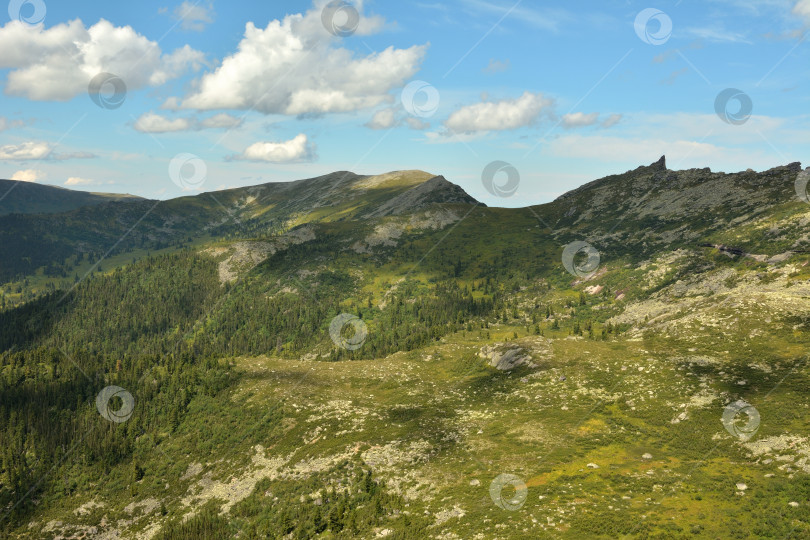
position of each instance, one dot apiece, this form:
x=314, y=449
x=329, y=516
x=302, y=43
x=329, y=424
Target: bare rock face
x=506, y=357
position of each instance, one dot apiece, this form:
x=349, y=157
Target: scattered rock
x=594, y=289
x=646, y=456
x=592, y=466
x=506, y=357
x=445, y=515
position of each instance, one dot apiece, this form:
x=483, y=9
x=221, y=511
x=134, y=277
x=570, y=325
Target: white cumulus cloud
x=28, y=175
x=383, y=119
x=296, y=149
x=578, y=119
x=294, y=67
x=57, y=63
x=156, y=123
x=499, y=115
x=25, y=151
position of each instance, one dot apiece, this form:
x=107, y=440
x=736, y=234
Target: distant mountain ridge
x=31, y=240
x=645, y=209
x=18, y=197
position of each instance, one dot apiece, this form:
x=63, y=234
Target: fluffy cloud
x=193, y=16
x=293, y=67
x=25, y=151
x=499, y=115
x=58, y=63
x=28, y=175
x=155, y=123
x=296, y=149
x=383, y=119
x=576, y=120
x=33, y=150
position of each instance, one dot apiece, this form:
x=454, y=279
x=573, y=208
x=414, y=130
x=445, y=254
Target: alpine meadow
x=357, y=269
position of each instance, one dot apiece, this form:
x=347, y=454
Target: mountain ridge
x=17, y=196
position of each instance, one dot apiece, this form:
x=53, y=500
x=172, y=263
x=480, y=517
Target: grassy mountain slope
x=249, y=420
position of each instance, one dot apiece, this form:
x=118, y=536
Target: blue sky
x=223, y=95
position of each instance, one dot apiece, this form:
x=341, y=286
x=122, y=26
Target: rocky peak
x=437, y=190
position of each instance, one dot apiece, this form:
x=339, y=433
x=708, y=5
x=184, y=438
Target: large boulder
x=506, y=357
